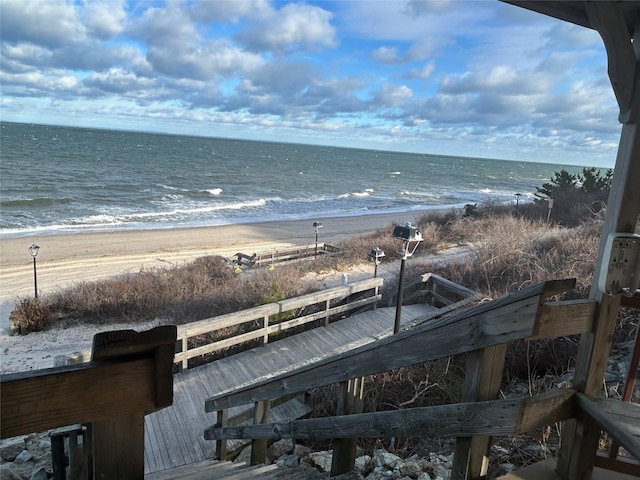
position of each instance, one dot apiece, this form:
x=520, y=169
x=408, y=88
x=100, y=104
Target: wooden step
x=212, y=469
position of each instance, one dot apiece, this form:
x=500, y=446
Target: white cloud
x=431, y=76
x=295, y=26
x=105, y=18
x=40, y=22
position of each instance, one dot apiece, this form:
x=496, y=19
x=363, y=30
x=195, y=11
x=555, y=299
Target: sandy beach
x=67, y=259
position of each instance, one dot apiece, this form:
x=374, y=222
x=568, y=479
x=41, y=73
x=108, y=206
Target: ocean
x=70, y=180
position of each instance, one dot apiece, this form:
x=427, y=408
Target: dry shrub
x=509, y=253
x=433, y=383
x=200, y=289
x=30, y=315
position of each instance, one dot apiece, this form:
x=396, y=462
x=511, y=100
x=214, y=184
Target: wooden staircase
x=211, y=469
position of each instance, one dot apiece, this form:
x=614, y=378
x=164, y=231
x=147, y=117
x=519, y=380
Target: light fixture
x=33, y=251
x=376, y=254
x=317, y=225
x=409, y=237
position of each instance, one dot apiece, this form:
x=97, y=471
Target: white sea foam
x=215, y=191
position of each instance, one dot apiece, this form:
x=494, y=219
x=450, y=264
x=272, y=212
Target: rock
x=288, y=461
x=301, y=450
x=362, y=462
x=8, y=472
x=23, y=457
x=410, y=469
x=385, y=458
x=39, y=474
x=280, y=448
x=424, y=476
x=321, y=460
x=10, y=451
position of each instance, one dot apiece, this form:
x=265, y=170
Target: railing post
x=259, y=447
x=265, y=329
x=482, y=381
x=118, y=441
x=349, y=402
x=184, y=346
x=221, y=445
x=327, y=308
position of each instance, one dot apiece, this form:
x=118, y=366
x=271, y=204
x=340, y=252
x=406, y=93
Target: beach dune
x=66, y=259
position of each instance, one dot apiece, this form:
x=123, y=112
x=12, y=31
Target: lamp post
x=409, y=238
x=317, y=226
x=518, y=195
x=33, y=251
x=376, y=255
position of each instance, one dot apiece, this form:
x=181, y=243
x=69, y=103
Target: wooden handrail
x=261, y=316
x=130, y=375
x=513, y=317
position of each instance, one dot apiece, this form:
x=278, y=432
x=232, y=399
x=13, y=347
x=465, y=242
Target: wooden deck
x=545, y=470
x=174, y=435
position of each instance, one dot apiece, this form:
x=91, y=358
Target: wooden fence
x=261, y=322
x=284, y=255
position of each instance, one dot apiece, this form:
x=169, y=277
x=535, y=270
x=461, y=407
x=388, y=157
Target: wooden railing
x=288, y=254
x=261, y=322
x=130, y=375
x=434, y=290
x=482, y=332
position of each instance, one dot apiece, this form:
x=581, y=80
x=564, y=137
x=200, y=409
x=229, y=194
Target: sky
x=452, y=77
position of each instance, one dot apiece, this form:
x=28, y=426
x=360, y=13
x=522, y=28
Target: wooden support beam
x=482, y=382
x=497, y=417
x=118, y=441
x=259, y=446
x=607, y=18
x=580, y=438
x=349, y=403
x=500, y=321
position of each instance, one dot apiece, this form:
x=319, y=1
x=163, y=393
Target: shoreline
x=58, y=246
x=71, y=258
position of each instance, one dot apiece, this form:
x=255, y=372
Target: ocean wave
x=214, y=191
x=35, y=202
x=364, y=193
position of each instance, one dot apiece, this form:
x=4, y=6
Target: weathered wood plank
x=496, y=417
x=264, y=311
x=227, y=320
x=580, y=440
x=506, y=319
x=330, y=294
x=193, y=386
x=26, y=410
x=559, y=319
x=620, y=419
x=546, y=409
x=483, y=378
